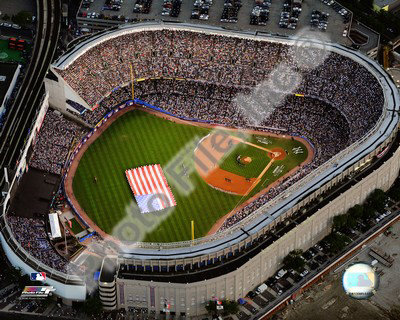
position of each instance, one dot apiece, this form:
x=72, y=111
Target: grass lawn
x=7, y=55
x=259, y=161
x=137, y=139
x=281, y=167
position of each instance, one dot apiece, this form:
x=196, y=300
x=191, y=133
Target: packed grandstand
x=343, y=100
x=198, y=75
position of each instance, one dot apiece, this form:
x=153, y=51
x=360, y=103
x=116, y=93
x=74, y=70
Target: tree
x=230, y=307
x=6, y=17
x=92, y=306
x=211, y=307
x=368, y=212
x=376, y=200
x=339, y=221
x=356, y=212
x=367, y=4
x=394, y=193
x=294, y=261
x=337, y=242
x=351, y=221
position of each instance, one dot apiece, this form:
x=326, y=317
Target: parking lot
x=319, y=256
x=329, y=293
x=211, y=12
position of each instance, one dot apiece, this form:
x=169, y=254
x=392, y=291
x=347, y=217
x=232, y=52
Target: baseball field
x=138, y=138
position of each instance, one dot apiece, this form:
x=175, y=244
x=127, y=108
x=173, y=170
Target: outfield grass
x=136, y=139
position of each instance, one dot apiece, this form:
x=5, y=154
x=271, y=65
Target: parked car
x=270, y=281
x=261, y=288
x=280, y=274
x=318, y=247
x=304, y=273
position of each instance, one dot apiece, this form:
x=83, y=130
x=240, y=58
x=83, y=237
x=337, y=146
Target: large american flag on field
x=150, y=188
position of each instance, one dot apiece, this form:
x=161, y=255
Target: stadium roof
x=108, y=270
x=294, y=194
x=54, y=225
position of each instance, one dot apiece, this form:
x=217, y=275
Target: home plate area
x=150, y=188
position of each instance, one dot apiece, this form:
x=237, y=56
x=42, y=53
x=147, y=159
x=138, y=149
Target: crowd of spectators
x=198, y=75
x=30, y=233
x=53, y=143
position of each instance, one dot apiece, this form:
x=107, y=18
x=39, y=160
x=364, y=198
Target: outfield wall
x=190, y=298
x=294, y=197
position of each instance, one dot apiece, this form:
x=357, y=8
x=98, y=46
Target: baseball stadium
x=238, y=176
x=187, y=160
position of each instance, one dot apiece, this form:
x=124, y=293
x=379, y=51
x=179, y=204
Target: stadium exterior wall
x=190, y=298
x=67, y=292
x=76, y=291
x=295, y=196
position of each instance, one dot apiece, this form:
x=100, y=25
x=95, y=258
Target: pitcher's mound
x=244, y=159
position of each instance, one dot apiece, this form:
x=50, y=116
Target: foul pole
x=192, y=230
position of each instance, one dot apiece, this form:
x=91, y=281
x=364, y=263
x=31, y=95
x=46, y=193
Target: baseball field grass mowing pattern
x=259, y=160
x=137, y=139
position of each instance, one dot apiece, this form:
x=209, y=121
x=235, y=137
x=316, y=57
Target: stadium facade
x=228, y=264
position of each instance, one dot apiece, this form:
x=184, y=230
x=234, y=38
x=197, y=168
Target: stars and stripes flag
x=150, y=188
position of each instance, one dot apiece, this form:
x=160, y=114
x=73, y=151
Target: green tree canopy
x=376, y=200
x=293, y=260
x=211, y=307
x=92, y=306
x=339, y=221
x=394, y=193
x=351, y=221
x=356, y=212
x=21, y=279
x=337, y=242
x=368, y=5
x=368, y=212
x=230, y=307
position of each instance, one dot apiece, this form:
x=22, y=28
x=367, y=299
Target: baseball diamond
x=169, y=164
x=220, y=190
